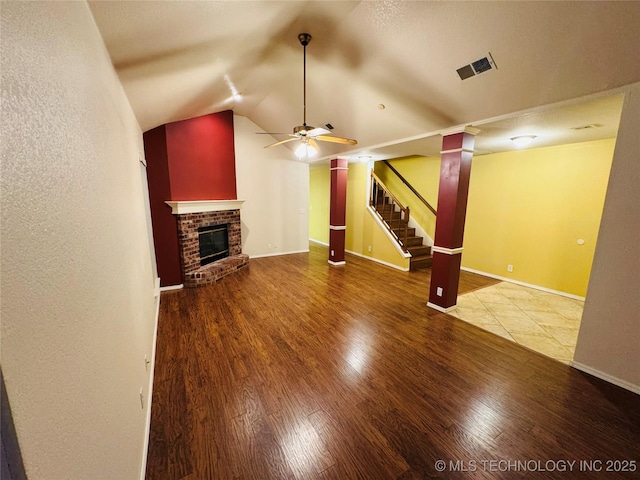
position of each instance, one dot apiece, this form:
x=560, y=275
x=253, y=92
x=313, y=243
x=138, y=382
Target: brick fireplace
x=196, y=215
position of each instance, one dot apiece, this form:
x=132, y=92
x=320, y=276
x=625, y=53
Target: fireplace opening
x=214, y=243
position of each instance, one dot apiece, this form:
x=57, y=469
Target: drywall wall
x=191, y=159
x=609, y=338
x=275, y=218
x=319, y=202
x=201, y=157
x=78, y=304
x=362, y=230
x=423, y=173
x=529, y=208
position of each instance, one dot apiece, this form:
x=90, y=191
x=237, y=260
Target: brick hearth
x=188, y=223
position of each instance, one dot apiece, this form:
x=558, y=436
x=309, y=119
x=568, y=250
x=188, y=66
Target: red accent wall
x=164, y=223
x=201, y=155
x=188, y=160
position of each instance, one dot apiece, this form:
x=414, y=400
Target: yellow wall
x=423, y=173
x=528, y=208
x=362, y=230
x=319, y=202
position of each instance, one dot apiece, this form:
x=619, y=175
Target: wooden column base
x=445, y=277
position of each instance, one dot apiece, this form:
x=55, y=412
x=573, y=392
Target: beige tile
x=553, y=318
x=505, y=310
x=545, y=345
x=572, y=313
x=533, y=304
x=492, y=297
x=565, y=336
x=469, y=300
x=476, y=316
x=498, y=330
x=521, y=325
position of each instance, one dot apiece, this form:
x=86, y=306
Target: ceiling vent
x=481, y=65
x=585, y=127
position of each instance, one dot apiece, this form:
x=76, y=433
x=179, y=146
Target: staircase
x=396, y=218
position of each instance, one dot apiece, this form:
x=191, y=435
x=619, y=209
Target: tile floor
x=542, y=321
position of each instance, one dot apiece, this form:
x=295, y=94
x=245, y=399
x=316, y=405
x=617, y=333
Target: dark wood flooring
x=294, y=369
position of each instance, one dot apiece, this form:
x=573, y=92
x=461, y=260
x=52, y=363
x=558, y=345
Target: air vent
x=585, y=127
x=329, y=126
x=475, y=68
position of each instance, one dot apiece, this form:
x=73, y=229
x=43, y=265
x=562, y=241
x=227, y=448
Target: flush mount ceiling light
x=523, y=140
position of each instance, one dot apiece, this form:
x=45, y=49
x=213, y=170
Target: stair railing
x=410, y=187
x=378, y=194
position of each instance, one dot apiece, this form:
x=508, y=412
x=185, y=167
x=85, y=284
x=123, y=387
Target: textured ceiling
x=178, y=60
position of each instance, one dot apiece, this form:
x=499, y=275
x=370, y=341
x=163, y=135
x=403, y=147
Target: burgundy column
x=455, y=171
x=338, y=211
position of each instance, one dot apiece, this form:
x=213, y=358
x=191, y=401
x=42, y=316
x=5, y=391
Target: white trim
x=447, y=251
x=524, y=284
x=171, y=287
x=318, y=242
x=382, y=262
x=156, y=288
x=337, y=263
x=278, y=254
x=337, y=227
x=420, y=232
x=454, y=150
x=441, y=309
x=460, y=129
x=339, y=168
x=147, y=428
x=606, y=377
x=380, y=223
x=199, y=206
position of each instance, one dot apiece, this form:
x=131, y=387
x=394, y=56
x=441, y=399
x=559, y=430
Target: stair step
x=419, y=251
x=413, y=241
x=420, y=262
x=411, y=232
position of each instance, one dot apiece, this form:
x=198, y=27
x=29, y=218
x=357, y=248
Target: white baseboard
x=263, y=255
x=337, y=264
x=382, y=262
x=318, y=242
x=441, y=309
x=524, y=284
x=171, y=287
x=606, y=377
x=152, y=364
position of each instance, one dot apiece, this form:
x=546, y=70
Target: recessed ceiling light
x=523, y=140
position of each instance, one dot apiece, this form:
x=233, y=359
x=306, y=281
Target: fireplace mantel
x=199, y=206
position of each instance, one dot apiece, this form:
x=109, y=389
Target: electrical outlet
x=333, y=253
x=509, y=268
x=439, y=291
x=369, y=248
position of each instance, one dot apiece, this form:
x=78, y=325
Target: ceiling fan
x=306, y=134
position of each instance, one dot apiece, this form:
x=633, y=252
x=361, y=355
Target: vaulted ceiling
x=179, y=60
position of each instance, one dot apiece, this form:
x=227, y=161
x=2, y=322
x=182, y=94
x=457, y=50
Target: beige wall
x=275, y=215
x=78, y=304
x=609, y=339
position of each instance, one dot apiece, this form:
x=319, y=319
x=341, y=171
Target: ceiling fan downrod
x=304, y=38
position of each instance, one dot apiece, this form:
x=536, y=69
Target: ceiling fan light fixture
x=523, y=140
x=305, y=150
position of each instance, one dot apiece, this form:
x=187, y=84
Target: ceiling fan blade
x=327, y=138
x=282, y=141
x=318, y=131
x=314, y=144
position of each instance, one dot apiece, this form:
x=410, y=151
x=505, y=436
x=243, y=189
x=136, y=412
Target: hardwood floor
x=296, y=369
